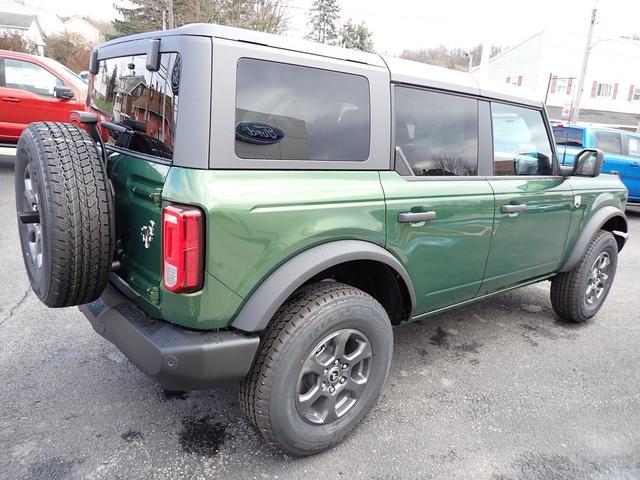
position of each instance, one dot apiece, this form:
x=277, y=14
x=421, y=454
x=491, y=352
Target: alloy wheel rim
x=598, y=279
x=34, y=230
x=334, y=376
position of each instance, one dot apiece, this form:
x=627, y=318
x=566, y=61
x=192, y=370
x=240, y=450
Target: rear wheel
x=65, y=213
x=577, y=295
x=323, y=362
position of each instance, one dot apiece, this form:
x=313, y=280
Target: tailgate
x=137, y=185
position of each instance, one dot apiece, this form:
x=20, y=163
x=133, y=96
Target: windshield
x=69, y=74
x=569, y=136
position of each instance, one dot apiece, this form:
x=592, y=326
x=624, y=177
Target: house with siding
x=548, y=65
x=27, y=26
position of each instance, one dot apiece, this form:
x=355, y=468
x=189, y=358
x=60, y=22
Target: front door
x=610, y=142
x=632, y=173
x=532, y=205
x=26, y=95
x=439, y=211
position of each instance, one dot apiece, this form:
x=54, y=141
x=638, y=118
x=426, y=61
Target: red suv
x=34, y=89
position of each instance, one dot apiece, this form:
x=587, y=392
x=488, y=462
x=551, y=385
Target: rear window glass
x=291, y=112
x=145, y=102
x=569, y=136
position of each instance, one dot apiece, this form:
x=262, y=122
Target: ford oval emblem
x=256, y=132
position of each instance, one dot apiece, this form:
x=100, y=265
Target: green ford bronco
x=240, y=206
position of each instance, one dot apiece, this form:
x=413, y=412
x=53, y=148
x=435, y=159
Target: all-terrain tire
x=60, y=174
x=569, y=294
x=268, y=394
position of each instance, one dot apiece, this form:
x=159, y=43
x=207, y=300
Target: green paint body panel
x=445, y=257
x=531, y=243
x=256, y=220
x=137, y=185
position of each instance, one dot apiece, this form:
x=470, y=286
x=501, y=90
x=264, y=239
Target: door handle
x=513, y=208
x=416, y=217
x=11, y=99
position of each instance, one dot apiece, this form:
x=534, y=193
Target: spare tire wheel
x=65, y=213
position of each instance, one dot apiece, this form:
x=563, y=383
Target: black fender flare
x=593, y=226
x=286, y=279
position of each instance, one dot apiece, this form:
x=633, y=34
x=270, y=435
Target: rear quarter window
x=291, y=112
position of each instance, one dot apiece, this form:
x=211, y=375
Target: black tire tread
x=566, y=290
x=79, y=212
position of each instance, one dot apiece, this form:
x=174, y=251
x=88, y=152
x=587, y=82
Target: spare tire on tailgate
x=65, y=213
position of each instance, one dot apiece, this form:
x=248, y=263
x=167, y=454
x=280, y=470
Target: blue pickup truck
x=621, y=151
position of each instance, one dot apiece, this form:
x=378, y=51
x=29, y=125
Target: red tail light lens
x=182, y=248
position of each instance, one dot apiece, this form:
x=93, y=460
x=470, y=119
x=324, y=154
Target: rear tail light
x=182, y=248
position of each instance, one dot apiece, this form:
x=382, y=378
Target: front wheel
x=323, y=362
x=577, y=295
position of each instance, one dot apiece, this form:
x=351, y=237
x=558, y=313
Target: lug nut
x=345, y=366
x=343, y=379
x=323, y=386
x=325, y=371
x=332, y=389
x=336, y=362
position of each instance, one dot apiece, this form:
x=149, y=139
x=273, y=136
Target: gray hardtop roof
x=401, y=71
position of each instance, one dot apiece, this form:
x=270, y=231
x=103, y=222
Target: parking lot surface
x=496, y=390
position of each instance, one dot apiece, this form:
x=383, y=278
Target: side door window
x=436, y=134
x=29, y=77
x=520, y=141
x=609, y=142
x=633, y=146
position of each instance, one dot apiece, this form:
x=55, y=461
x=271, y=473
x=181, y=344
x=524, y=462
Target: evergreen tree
x=323, y=21
x=356, y=36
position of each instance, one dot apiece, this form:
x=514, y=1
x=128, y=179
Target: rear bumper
x=176, y=358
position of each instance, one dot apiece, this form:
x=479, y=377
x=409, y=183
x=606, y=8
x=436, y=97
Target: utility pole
x=483, y=69
x=575, y=113
x=170, y=14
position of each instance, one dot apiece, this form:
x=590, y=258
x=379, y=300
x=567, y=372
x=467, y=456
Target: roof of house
x=86, y=20
x=403, y=71
x=17, y=20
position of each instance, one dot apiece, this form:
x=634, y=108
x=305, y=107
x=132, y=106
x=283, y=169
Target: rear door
x=439, y=210
x=26, y=95
x=632, y=173
x=532, y=205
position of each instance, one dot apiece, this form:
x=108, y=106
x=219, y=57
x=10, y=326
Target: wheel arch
x=330, y=260
x=607, y=218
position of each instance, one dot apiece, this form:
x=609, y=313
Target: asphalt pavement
x=496, y=390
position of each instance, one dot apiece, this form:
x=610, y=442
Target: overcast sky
x=400, y=24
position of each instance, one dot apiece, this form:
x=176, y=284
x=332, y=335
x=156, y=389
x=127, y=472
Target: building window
x=636, y=95
x=603, y=90
x=561, y=86
x=515, y=80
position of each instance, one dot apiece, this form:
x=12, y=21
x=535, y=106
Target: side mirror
x=62, y=92
x=588, y=162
